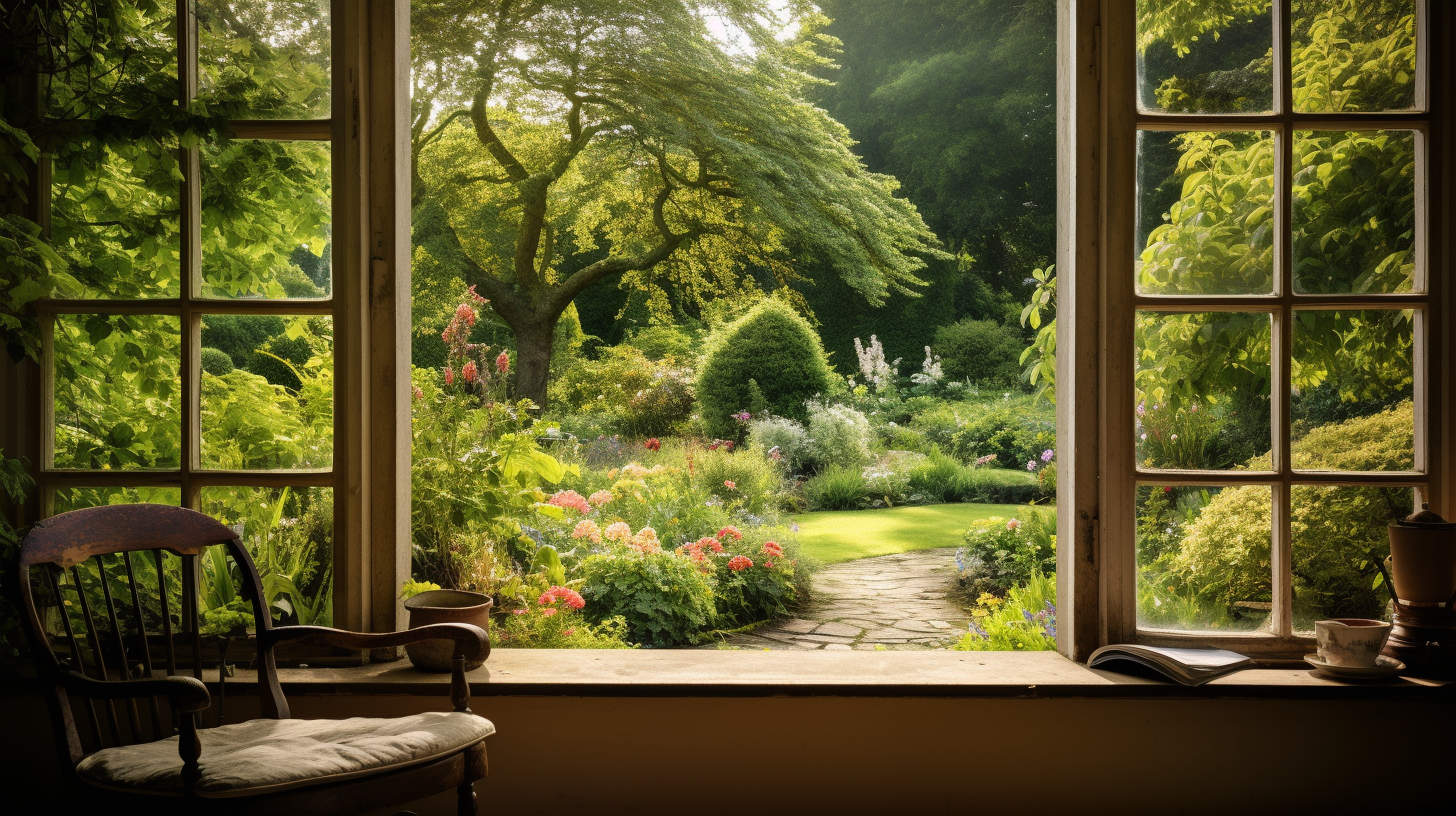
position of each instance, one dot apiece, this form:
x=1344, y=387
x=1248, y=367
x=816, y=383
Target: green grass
x=844, y=535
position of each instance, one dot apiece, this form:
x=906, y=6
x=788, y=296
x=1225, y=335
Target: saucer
x=1384, y=667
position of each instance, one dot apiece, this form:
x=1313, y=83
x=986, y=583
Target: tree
x=676, y=137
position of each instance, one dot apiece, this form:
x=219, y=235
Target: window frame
x=370, y=474
x=1098, y=131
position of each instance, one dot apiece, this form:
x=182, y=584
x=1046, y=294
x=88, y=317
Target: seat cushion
x=263, y=756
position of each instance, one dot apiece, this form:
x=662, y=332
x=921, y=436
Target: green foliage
x=215, y=361
x=1004, y=553
x=757, y=593
x=1025, y=620
x=942, y=478
x=240, y=335
x=836, y=488
x=563, y=629
x=1224, y=558
x=626, y=391
x=773, y=346
x=663, y=598
x=411, y=588
x=980, y=351
x=787, y=435
x=757, y=481
x=1042, y=352
x=1013, y=429
x=838, y=436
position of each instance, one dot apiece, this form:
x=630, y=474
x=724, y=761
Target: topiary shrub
x=981, y=351
x=1224, y=559
x=215, y=361
x=772, y=345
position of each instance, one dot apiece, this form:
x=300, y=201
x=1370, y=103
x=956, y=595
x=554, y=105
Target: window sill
x=702, y=673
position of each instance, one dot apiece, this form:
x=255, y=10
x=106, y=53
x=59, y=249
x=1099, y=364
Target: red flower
x=572, y=597
x=503, y=363
x=469, y=371
x=652, y=444
x=419, y=395
x=773, y=548
x=730, y=532
x=739, y=562
x=730, y=484
x=549, y=611
x=449, y=376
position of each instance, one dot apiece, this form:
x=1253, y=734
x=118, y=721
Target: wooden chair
x=102, y=588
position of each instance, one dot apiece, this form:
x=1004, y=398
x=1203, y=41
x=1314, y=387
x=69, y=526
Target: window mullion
x=1282, y=330
x=191, y=261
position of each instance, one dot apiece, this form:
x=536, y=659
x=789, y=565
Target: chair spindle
x=166, y=614
x=95, y=638
x=189, y=601
x=141, y=625
x=133, y=714
x=79, y=663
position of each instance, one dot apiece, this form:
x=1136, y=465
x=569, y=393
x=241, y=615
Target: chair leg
x=467, y=804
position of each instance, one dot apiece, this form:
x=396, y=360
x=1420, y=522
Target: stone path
x=899, y=601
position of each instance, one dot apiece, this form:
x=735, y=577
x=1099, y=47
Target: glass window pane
x=267, y=392
x=264, y=59
x=119, y=62
x=1203, y=557
x=1351, y=406
x=115, y=218
x=1202, y=384
x=1354, y=211
x=1337, y=534
x=289, y=532
x=1353, y=56
x=266, y=220
x=76, y=498
x=1204, y=57
x=1205, y=213
x=117, y=392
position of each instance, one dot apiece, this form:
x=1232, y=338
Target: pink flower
x=419, y=395
x=646, y=540
x=503, y=363
x=449, y=376
x=518, y=611
x=559, y=593
x=469, y=371
x=1012, y=524
x=586, y=528
x=618, y=531
x=549, y=611
x=729, y=532
x=773, y=548
x=739, y=562
x=600, y=498
x=1031, y=464
x=570, y=499
x=768, y=564
x=730, y=484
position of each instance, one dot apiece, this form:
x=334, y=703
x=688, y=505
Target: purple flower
x=1046, y=455
x=794, y=526
x=1027, y=615
x=1031, y=464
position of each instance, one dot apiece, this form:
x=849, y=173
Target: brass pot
x=1423, y=561
x=444, y=606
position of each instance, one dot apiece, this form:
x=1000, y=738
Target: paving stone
x=837, y=647
x=914, y=626
x=825, y=638
x=840, y=629
x=797, y=625
x=939, y=624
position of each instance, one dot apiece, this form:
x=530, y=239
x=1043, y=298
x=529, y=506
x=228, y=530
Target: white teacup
x=1351, y=641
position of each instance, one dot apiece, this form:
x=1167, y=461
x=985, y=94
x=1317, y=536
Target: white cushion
x=268, y=755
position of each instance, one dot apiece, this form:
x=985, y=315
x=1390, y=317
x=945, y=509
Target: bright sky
x=736, y=42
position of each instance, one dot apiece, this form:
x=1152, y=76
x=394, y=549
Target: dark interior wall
x=898, y=756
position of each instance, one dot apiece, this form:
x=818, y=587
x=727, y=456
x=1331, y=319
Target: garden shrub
x=899, y=437
x=664, y=342
x=550, y=627
x=239, y=335
x=1002, y=553
x=1006, y=430
x=980, y=351
x=838, y=435
x=785, y=434
x=887, y=481
x=836, y=488
x=1224, y=559
x=742, y=479
x=624, y=392
x=665, y=599
x=276, y=359
x=215, y=361
x=1024, y=621
x=775, y=347
x=941, y=478
x=753, y=581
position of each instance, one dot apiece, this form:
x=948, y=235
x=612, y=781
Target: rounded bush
x=663, y=598
x=981, y=351
x=785, y=434
x=772, y=345
x=215, y=361
x=838, y=435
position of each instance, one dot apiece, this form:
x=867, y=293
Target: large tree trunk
x=533, y=356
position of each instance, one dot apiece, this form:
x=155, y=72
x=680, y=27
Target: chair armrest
x=471, y=642
x=186, y=694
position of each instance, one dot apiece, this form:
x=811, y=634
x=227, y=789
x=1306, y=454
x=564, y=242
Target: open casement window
x=1252, y=334
x=232, y=308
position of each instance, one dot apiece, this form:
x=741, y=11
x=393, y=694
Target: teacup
x=1351, y=641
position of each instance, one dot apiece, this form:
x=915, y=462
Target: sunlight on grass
x=844, y=535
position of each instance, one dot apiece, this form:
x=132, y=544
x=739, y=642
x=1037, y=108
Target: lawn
x=844, y=535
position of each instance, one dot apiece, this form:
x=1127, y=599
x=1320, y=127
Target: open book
x=1191, y=667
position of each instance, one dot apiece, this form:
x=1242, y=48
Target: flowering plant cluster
x=468, y=365
x=879, y=374
x=1024, y=620
x=1002, y=553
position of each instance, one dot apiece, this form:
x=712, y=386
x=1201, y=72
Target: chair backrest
x=112, y=593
